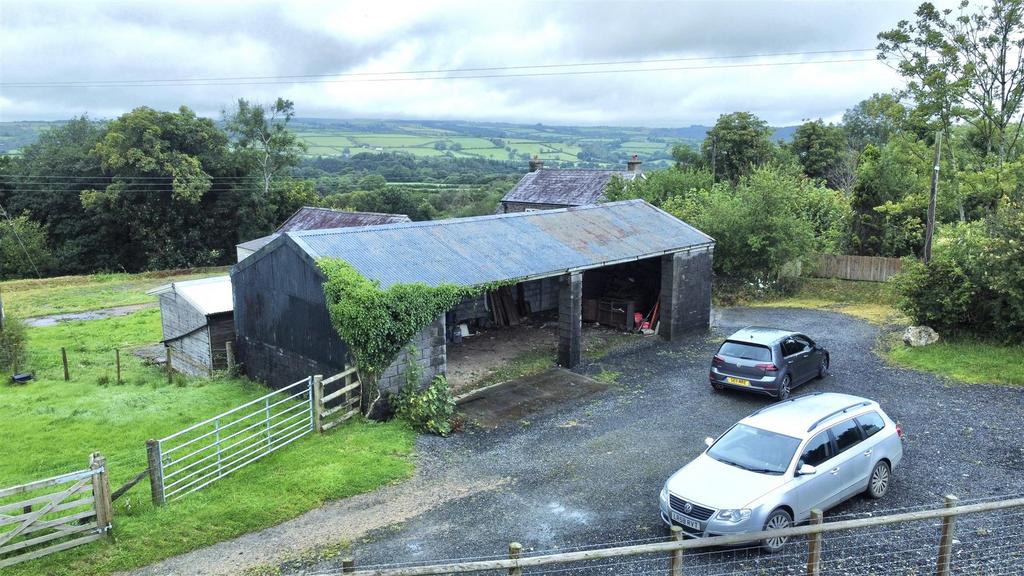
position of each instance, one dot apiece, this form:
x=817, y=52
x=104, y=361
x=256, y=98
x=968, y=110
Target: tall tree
x=874, y=121
x=50, y=177
x=173, y=187
x=819, y=148
x=261, y=134
x=736, y=144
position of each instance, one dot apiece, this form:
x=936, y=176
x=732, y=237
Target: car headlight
x=664, y=495
x=734, y=515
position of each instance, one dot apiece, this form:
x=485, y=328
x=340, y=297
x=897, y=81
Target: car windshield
x=754, y=449
x=745, y=351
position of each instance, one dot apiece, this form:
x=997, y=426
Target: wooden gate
x=54, y=514
x=343, y=399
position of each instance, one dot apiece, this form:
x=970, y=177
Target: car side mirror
x=806, y=470
x=709, y=441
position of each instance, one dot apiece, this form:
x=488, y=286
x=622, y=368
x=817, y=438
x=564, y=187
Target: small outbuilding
x=313, y=218
x=551, y=261
x=549, y=188
x=198, y=324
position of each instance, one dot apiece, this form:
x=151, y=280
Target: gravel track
x=589, y=473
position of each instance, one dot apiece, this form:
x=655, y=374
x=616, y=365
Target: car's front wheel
x=823, y=366
x=778, y=520
x=881, y=477
x=785, y=388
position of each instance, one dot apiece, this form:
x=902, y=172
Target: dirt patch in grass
x=871, y=301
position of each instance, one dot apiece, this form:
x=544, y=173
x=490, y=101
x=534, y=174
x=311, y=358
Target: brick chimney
x=634, y=164
x=536, y=163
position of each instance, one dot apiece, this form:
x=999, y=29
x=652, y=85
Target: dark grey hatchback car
x=767, y=361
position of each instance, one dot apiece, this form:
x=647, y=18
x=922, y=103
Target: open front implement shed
x=283, y=327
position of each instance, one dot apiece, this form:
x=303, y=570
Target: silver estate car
x=773, y=467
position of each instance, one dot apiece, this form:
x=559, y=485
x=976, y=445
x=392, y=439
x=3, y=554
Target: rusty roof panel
x=564, y=187
x=500, y=247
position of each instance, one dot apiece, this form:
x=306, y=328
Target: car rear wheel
x=785, y=388
x=823, y=366
x=881, y=477
x=778, y=520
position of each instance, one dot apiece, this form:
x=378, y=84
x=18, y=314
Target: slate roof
x=500, y=247
x=312, y=218
x=564, y=187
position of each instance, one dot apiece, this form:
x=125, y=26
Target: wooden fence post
x=229, y=353
x=814, y=546
x=64, y=359
x=676, y=560
x=101, y=493
x=117, y=358
x=515, y=550
x=318, y=403
x=946, y=540
x=170, y=371
x=156, y=471
x=348, y=565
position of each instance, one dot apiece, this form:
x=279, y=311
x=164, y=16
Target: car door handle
x=868, y=453
x=835, y=471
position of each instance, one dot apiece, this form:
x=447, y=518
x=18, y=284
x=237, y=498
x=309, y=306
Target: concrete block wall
x=431, y=355
x=685, y=293
x=570, y=320
x=509, y=207
x=541, y=294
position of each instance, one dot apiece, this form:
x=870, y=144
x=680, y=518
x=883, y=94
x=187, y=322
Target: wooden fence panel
x=863, y=268
x=47, y=516
x=343, y=401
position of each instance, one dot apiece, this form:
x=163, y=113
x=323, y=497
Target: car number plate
x=737, y=381
x=685, y=521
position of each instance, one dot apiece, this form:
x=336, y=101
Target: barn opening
x=610, y=258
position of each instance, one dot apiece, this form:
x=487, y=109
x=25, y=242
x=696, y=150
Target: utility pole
x=929, y=230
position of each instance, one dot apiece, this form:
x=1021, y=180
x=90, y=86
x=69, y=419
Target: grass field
x=968, y=360
x=51, y=426
x=28, y=298
x=871, y=301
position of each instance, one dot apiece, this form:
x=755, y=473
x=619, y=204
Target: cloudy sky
x=350, y=59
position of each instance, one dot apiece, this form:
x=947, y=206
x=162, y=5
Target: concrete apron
x=515, y=400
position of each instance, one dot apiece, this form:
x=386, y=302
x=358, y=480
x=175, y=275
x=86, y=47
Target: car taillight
x=899, y=430
x=767, y=367
x=718, y=360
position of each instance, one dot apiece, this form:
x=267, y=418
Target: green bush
x=975, y=281
x=428, y=410
x=13, y=349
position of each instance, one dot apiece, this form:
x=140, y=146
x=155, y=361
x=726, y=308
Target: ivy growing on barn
x=377, y=323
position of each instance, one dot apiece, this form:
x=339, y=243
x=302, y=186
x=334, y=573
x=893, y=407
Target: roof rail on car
x=840, y=411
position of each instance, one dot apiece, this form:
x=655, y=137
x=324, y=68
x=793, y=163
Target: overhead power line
x=463, y=73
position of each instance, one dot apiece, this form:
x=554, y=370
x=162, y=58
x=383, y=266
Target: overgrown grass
x=28, y=298
x=971, y=361
x=50, y=427
x=871, y=301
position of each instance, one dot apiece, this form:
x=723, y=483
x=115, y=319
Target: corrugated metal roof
x=564, y=187
x=207, y=295
x=313, y=218
x=485, y=249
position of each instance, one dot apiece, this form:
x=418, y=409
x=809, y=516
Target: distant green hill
x=587, y=146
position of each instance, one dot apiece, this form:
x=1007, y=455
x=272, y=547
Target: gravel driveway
x=590, y=473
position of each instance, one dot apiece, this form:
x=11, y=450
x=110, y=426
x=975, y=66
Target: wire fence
x=984, y=536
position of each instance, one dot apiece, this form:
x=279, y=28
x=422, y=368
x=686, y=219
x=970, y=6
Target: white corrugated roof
x=207, y=295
